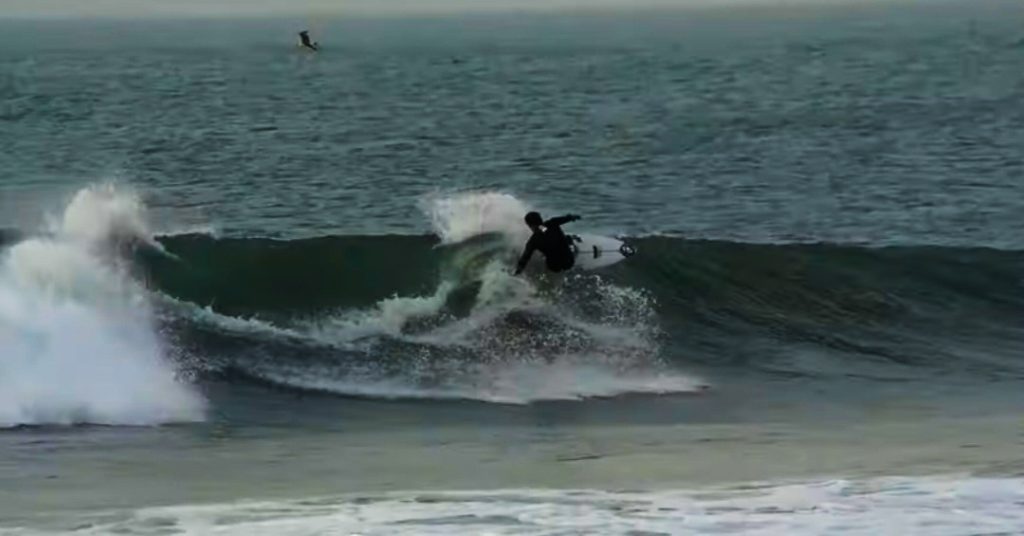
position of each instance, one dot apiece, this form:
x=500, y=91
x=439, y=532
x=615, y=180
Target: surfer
x=304, y=39
x=551, y=241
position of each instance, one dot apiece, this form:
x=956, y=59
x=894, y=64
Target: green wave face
x=712, y=303
x=406, y=315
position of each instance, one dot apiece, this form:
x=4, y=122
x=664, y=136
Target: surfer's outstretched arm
x=561, y=220
x=525, y=257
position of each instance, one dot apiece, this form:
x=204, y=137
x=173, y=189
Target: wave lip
x=460, y=217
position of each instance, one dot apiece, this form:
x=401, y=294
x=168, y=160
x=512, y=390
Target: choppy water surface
x=249, y=289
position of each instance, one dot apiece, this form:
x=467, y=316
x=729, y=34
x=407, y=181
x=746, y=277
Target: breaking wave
x=78, y=338
x=440, y=316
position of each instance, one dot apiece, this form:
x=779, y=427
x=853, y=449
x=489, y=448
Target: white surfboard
x=595, y=251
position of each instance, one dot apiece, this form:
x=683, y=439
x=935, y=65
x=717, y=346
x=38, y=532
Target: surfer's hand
x=575, y=217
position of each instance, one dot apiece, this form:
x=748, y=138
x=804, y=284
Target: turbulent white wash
x=568, y=378
x=940, y=506
x=77, y=343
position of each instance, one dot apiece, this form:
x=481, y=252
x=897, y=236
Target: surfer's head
x=533, y=219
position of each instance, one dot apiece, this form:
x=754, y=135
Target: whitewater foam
x=576, y=378
x=566, y=379
x=205, y=229
x=76, y=331
x=233, y=324
x=943, y=506
x=481, y=357
x=387, y=317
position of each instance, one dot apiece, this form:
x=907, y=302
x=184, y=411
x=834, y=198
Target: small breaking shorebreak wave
x=917, y=505
x=440, y=316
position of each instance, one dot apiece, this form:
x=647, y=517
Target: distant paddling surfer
x=551, y=241
x=304, y=39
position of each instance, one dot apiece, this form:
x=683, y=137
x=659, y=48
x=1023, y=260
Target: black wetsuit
x=552, y=242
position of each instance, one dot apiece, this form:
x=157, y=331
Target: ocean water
x=246, y=289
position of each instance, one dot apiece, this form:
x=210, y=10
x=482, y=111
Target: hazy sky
x=104, y=8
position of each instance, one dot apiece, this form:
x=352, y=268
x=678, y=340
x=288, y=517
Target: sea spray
x=459, y=217
x=77, y=340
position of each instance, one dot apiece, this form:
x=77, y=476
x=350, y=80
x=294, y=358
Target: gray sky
x=133, y=8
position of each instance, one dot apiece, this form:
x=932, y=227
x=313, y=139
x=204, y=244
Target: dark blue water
x=298, y=263
x=873, y=126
